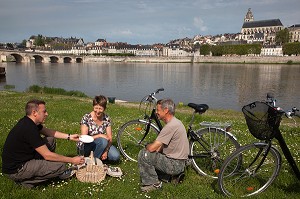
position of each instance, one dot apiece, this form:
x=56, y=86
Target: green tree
x=291, y=48
x=241, y=49
x=282, y=37
x=205, y=49
x=39, y=41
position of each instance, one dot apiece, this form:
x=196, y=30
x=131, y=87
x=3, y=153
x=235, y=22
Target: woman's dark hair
x=100, y=100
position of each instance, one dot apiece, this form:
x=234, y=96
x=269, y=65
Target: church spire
x=249, y=16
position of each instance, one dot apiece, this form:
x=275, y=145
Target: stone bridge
x=38, y=57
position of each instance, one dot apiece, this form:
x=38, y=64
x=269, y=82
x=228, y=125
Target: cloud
x=126, y=32
x=199, y=23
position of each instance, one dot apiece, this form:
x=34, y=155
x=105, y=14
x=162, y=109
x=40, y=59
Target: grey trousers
x=150, y=162
x=38, y=170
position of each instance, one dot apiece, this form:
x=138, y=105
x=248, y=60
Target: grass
x=51, y=90
x=65, y=113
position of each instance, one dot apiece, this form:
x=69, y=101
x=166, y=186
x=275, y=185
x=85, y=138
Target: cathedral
x=262, y=31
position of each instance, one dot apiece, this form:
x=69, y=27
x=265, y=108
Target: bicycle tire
x=246, y=181
x=219, y=144
x=129, y=136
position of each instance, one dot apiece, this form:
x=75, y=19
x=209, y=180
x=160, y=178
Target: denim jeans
x=98, y=146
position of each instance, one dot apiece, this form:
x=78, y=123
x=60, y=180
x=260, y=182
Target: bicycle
x=208, y=146
x=261, y=161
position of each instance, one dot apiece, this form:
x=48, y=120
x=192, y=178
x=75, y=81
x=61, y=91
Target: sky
x=135, y=21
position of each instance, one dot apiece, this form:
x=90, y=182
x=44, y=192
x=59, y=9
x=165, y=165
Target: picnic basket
x=93, y=171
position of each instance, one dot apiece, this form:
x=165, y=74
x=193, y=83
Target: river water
x=221, y=86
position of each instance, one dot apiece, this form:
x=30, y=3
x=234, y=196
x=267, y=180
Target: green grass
x=65, y=113
x=58, y=91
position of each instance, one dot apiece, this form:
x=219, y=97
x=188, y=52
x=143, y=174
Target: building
x=294, y=32
x=263, y=31
x=271, y=51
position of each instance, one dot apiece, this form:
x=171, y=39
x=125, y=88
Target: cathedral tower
x=249, y=16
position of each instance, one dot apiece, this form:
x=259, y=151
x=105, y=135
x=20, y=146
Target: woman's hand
x=104, y=155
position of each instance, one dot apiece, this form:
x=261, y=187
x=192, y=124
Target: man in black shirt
x=27, y=157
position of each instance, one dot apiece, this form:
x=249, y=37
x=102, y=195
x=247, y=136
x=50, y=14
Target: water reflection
x=219, y=85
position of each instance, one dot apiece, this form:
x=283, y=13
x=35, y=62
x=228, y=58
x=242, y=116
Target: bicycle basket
x=262, y=120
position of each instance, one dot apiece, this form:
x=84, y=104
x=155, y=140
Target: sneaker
x=67, y=174
x=151, y=187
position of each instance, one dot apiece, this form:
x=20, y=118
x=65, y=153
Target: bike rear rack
x=219, y=125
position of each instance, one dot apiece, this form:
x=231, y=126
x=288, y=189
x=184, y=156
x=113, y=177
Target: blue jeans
x=98, y=146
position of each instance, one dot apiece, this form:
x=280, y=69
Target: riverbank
x=65, y=113
x=200, y=59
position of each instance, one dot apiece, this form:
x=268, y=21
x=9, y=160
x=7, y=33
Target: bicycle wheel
x=250, y=178
x=130, y=135
x=210, y=149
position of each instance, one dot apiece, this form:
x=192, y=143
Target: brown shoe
x=152, y=187
x=178, y=178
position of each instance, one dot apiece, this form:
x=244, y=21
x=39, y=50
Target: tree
x=39, y=41
x=205, y=49
x=291, y=48
x=282, y=37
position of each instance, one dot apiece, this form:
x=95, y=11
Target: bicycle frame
x=287, y=153
x=194, y=137
x=152, y=117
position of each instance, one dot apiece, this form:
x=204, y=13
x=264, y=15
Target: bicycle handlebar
x=289, y=114
x=151, y=97
x=157, y=91
x=293, y=112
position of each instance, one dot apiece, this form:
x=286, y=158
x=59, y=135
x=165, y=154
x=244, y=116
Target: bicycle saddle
x=199, y=108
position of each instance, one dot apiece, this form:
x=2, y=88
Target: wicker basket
x=262, y=120
x=93, y=172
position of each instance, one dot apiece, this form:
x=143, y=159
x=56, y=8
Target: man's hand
x=156, y=146
x=74, y=137
x=78, y=160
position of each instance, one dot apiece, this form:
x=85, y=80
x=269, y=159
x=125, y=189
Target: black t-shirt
x=20, y=145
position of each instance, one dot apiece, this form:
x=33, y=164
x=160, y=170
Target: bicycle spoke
x=129, y=138
x=210, y=150
x=252, y=177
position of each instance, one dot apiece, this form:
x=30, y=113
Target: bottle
x=80, y=148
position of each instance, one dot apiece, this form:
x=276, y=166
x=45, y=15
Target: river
x=221, y=86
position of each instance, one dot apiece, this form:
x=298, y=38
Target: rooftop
x=262, y=23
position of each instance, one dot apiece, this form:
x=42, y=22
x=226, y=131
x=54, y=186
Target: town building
x=294, y=32
x=271, y=51
x=262, y=31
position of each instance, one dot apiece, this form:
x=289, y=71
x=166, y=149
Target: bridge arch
x=79, y=60
x=54, y=59
x=18, y=57
x=38, y=59
x=67, y=59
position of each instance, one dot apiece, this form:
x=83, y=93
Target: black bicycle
x=208, y=146
x=261, y=161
